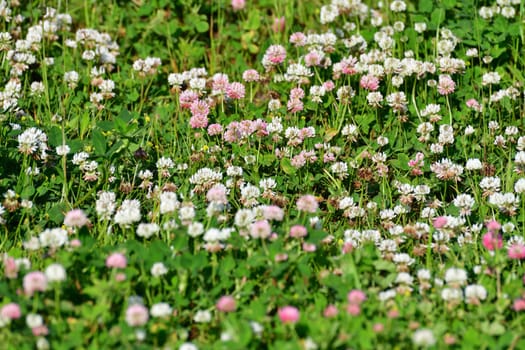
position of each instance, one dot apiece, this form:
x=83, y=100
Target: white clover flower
x=79, y=158
x=71, y=78
x=53, y=238
x=128, y=213
x=297, y=72
x=491, y=78
x=519, y=186
x=34, y=320
x=508, y=11
x=55, y=273
x=146, y=230
x=451, y=294
x=105, y=205
x=63, y=150
x=161, y=310
x=205, y=175
x=267, y=184
x=382, y=141
x=32, y=244
x=170, y=225
x=398, y=6
x=374, y=98
x=506, y=202
x=403, y=258
x=37, y=88
x=423, y=274
x=42, y=344
x=340, y=169
x=88, y=55
x=257, y=328
x=404, y=278
x=475, y=292
x=420, y=27
x=250, y=195
x=473, y=164
x=168, y=202
x=328, y=13
x=195, y=229
x=508, y=227
x=423, y=337
x=465, y=203
x=175, y=79
x=456, y=276
x=212, y=235
x=31, y=141
x=186, y=214
x=244, y=218
x=158, y=269
x=188, y=346
x=387, y=295
x=202, y=316
x=274, y=105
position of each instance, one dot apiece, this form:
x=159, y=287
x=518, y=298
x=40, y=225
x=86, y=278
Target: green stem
x=449, y=110
x=57, y=302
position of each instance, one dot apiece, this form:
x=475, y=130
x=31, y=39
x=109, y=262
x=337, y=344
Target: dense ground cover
x=266, y=174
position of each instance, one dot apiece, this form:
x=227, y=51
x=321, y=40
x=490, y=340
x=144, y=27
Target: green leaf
x=105, y=125
x=329, y=134
x=426, y=5
x=287, y=167
x=120, y=125
x=56, y=213
x=125, y=116
x=133, y=96
x=401, y=162
x=304, y=269
x=117, y=147
x=42, y=190
x=99, y=143
x=496, y=51
x=494, y=328
x=254, y=20
x=514, y=29
x=471, y=337
x=227, y=264
x=437, y=16
x=267, y=159
x=253, y=49
x=85, y=120
x=383, y=265
x=27, y=192
x=202, y=26
x=448, y=4
x=55, y=136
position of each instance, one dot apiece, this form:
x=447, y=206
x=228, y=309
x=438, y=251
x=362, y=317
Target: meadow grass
x=262, y=175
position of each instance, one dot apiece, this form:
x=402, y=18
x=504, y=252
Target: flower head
x=238, y=5
x=492, y=241
x=356, y=297
x=11, y=311
x=137, y=315
x=116, y=260
x=288, y=314
x=55, y=273
x=226, y=303
x=76, y=218
x=307, y=203
x=423, y=337
x=35, y=281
